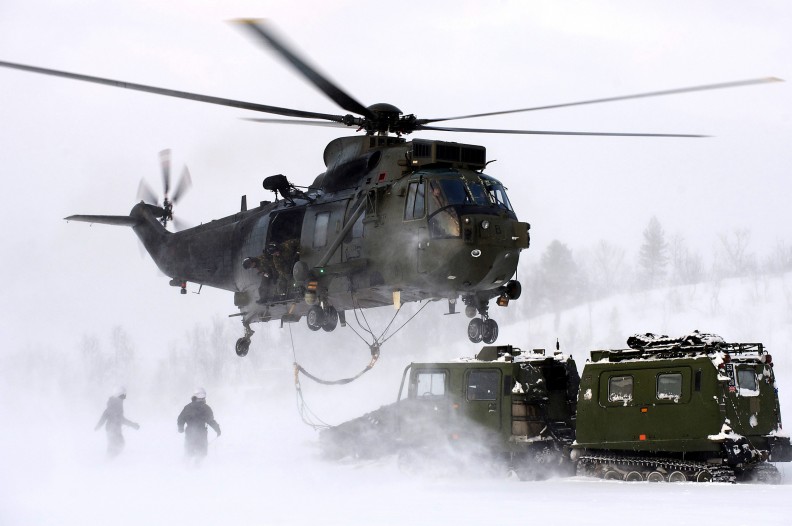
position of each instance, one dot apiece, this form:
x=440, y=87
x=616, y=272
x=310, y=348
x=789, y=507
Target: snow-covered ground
x=266, y=469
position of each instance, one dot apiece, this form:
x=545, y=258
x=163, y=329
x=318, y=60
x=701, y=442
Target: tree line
x=563, y=277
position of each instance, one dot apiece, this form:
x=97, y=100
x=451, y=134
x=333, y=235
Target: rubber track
x=719, y=473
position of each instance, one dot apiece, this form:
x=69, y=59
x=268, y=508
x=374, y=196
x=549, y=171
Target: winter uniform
x=196, y=416
x=113, y=419
x=283, y=260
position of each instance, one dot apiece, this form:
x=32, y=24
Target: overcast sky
x=69, y=147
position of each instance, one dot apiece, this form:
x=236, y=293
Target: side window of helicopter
x=620, y=390
x=746, y=382
x=414, y=206
x=320, y=229
x=357, y=228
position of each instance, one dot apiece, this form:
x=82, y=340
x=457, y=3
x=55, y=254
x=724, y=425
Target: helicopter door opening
x=283, y=246
x=285, y=225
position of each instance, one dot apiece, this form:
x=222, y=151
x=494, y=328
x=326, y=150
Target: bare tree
x=733, y=257
x=605, y=267
x=780, y=259
x=686, y=267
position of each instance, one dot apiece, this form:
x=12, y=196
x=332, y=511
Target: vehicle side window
x=620, y=389
x=430, y=383
x=669, y=386
x=746, y=382
x=414, y=207
x=320, y=229
x=483, y=385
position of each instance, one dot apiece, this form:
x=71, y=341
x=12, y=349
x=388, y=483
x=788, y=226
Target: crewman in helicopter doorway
x=113, y=419
x=197, y=415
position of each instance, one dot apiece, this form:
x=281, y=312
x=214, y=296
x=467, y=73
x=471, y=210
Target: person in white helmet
x=197, y=415
x=113, y=419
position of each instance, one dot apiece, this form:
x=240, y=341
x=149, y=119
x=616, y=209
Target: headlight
x=485, y=224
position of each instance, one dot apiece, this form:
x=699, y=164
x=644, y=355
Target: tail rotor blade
x=185, y=183
x=165, y=162
x=180, y=224
x=146, y=194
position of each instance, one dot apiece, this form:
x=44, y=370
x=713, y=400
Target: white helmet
x=200, y=392
x=119, y=391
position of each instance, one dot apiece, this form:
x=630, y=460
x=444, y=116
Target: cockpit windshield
x=496, y=192
x=447, y=192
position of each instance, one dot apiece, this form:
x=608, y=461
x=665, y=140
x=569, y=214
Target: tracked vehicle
x=503, y=408
x=688, y=409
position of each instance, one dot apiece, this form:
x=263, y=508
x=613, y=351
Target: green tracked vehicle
x=505, y=408
x=688, y=409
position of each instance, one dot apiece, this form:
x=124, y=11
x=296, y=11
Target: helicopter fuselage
x=389, y=222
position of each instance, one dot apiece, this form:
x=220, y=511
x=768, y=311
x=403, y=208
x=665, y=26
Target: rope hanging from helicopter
x=306, y=414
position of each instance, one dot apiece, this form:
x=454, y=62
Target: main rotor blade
x=544, y=132
x=287, y=112
x=165, y=163
x=185, y=183
x=677, y=91
x=325, y=124
x=266, y=33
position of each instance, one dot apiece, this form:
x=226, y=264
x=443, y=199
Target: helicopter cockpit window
x=414, y=207
x=453, y=191
x=443, y=218
x=320, y=229
x=497, y=192
x=479, y=194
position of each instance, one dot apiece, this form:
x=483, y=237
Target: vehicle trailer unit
x=694, y=408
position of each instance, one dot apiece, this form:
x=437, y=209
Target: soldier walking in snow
x=113, y=419
x=197, y=415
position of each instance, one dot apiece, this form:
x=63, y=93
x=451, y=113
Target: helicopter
x=390, y=220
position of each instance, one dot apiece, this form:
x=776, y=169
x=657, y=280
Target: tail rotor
x=165, y=210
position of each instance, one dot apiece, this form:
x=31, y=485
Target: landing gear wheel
x=242, y=346
x=489, y=331
x=330, y=319
x=470, y=311
x=314, y=318
x=513, y=290
x=475, y=329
